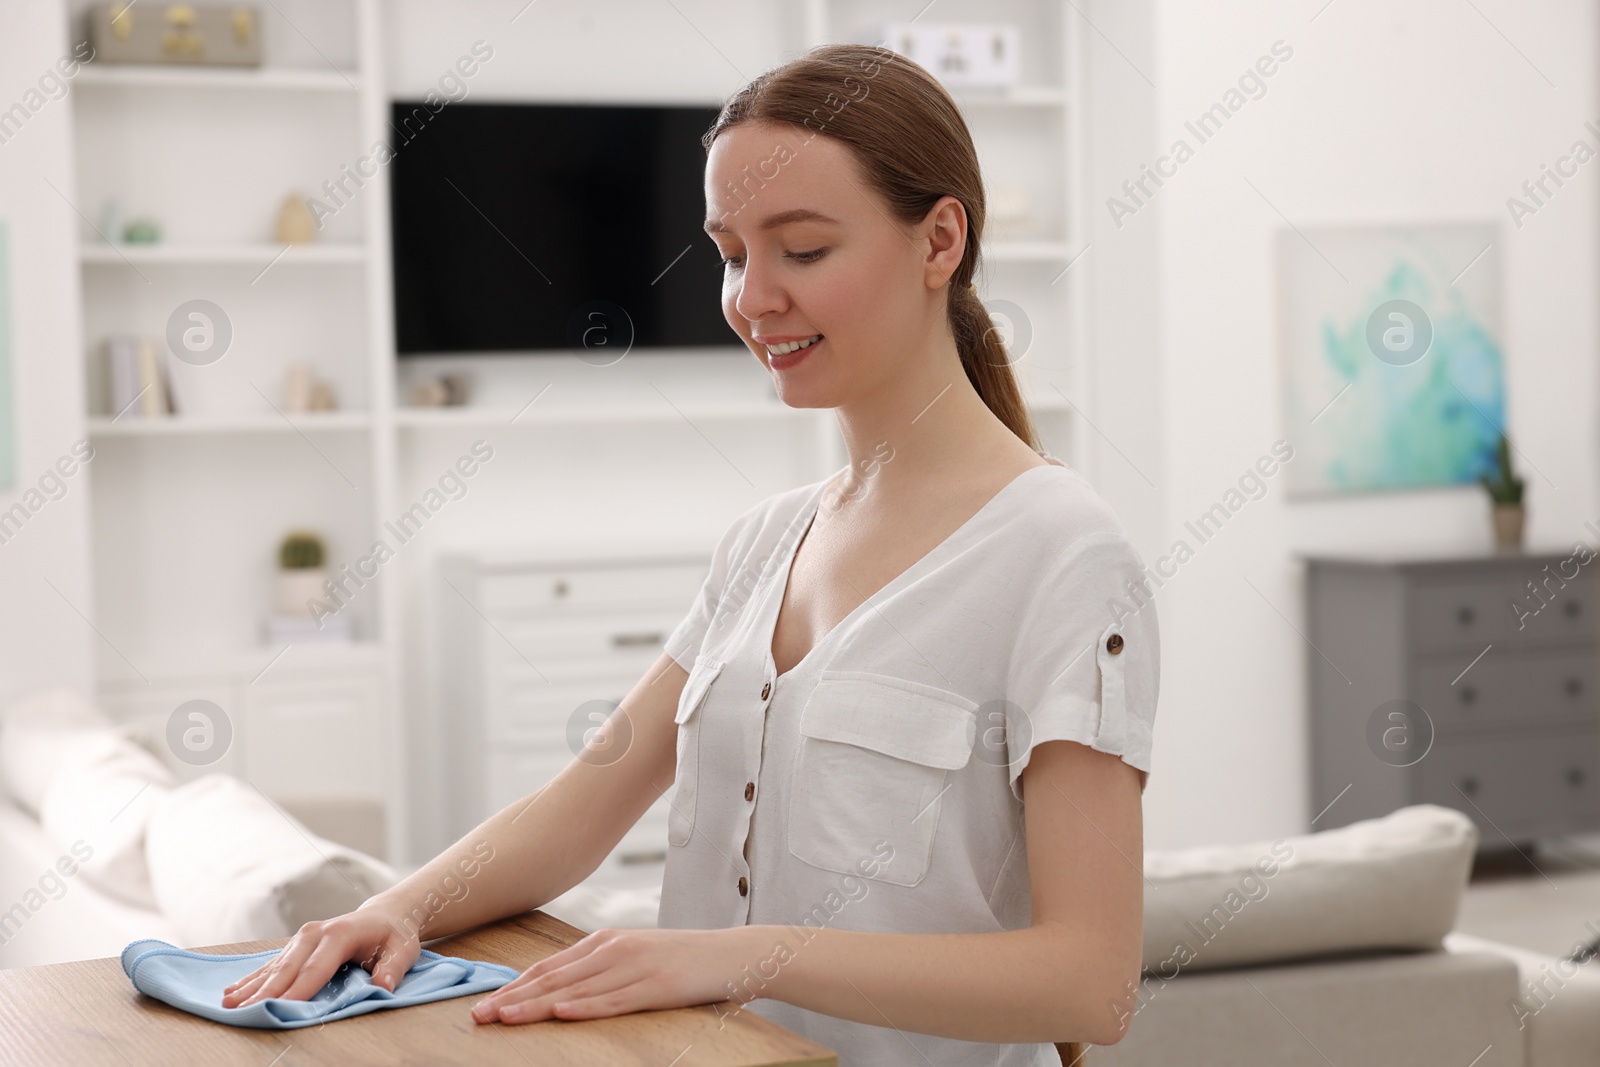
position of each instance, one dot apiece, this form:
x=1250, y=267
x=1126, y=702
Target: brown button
x=766, y=691
x=749, y=790
x=744, y=887
x=1114, y=644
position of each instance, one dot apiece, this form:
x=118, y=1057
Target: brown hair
x=913, y=146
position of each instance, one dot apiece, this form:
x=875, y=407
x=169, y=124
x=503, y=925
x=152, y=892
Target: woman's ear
x=944, y=227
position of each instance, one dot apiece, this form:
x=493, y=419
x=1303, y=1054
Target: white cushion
x=88, y=782
x=37, y=733
x=229, y=865
x=1389, y=883
x=99, y=800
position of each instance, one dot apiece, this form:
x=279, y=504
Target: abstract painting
x=1390, y=341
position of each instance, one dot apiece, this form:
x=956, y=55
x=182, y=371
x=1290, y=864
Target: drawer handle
x=1575, y=776
x=649, y=640
x=561, y=588
x=643, y=856
x=1574, y=687
x=1572, y=608
x=1465, y=616
x=1469, y=785
x=1469, y=695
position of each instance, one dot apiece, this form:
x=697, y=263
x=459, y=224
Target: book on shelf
x=140, y=379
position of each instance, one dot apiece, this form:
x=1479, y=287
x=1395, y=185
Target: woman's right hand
x=369, y=936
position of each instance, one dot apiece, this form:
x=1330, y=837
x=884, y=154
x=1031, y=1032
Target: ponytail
x=914, y=147
x=1071, y=1053
x=986, y=361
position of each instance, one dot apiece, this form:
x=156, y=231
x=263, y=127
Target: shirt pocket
x=874, y=757
x=686, y=784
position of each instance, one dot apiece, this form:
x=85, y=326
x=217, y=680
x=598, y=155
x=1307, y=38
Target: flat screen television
x=528, y=227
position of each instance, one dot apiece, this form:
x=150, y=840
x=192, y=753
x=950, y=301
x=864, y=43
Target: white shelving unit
x=308, y=422
x=183, y=560
x=193, y=79
x=260, y=255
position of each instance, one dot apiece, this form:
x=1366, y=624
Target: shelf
x=180, y=425
x=1020, y=96
x=220, y=254
x=1026, y=251
x=248, y=661
x=629, y=412
x=166, y=76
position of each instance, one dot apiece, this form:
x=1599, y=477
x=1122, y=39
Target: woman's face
x=810, y=252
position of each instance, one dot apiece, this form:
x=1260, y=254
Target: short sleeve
x=688, y=637
x=1086, y=663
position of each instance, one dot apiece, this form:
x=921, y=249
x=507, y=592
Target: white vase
x=297, y=586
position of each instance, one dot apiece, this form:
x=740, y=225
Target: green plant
x=1505, y=487
x=301, y=550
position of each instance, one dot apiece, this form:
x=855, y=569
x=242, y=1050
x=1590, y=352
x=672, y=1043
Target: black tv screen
x=530, y=227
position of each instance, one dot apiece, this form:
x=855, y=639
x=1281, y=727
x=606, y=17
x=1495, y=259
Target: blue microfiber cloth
x=194, y=981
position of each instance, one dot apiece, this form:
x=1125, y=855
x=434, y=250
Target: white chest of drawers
x=535, y=654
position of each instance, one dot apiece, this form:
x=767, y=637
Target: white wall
x=1387, y=113
x=1126, y=448
x=43, y=638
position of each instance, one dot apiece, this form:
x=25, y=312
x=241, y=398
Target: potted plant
x=1505, y=495
x=301, y=572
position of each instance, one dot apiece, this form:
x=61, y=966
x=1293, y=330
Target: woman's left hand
x=613, y=972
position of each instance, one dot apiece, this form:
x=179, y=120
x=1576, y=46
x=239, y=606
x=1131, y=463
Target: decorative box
x=220, y=35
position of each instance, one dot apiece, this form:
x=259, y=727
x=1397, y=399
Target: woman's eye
x=804, y=257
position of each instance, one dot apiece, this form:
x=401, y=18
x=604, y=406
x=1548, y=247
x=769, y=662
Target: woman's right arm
x=518, y=859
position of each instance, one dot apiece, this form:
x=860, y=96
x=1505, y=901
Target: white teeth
x=793, y=346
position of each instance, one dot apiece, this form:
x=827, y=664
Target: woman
x=880, y=666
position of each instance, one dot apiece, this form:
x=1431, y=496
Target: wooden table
x=89, y=1014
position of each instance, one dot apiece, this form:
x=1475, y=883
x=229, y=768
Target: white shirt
x=875, y=785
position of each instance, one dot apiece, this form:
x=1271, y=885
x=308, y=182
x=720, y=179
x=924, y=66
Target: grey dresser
x=1467, y=681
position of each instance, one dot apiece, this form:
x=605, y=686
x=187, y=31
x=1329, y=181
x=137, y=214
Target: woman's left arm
x=1070, y=976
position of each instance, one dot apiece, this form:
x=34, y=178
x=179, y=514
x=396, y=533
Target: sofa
x=1334, y=947
x=1340, y=947
x=100, y=845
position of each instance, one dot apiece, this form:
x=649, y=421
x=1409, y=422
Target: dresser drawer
x=1560, y=613
x=1508, y=689
x=1468, y=614
x=1516, y=785
x=581, y=589
x=1499, y=607
x=547, y=643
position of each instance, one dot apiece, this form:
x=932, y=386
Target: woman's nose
x=760, y=294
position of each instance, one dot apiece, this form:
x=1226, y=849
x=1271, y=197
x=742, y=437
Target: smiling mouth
x=792, y=346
